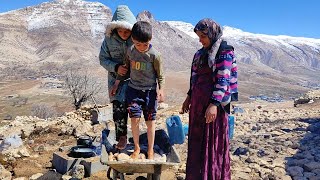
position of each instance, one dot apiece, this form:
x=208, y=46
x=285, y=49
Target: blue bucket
x=175, y=130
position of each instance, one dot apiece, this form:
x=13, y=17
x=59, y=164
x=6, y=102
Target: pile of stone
x=309, y=97
x=93, y=112
x=141, y=158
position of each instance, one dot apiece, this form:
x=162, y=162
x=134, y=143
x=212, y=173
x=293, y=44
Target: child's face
x=141, y=46
x=124, y=33
x=203, y=39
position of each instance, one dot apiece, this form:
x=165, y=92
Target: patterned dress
x=208, y=143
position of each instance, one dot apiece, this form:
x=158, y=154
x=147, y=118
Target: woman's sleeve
x=190, y=81
x=105, y=58
x=221, y=90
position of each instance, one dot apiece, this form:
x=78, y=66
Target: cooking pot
x=85, y=141
x=82, y=151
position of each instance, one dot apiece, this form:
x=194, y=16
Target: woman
x=213, y=80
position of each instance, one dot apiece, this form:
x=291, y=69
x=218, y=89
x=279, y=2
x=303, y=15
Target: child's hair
x=142, y=31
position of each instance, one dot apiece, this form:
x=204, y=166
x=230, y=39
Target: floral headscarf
x=210, y=28
x=213, y=30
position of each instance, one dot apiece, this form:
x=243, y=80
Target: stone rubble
x=271, y=140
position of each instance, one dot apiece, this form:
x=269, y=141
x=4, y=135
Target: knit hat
x=122, y=18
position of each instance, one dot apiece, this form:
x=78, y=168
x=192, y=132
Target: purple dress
x=208, y=144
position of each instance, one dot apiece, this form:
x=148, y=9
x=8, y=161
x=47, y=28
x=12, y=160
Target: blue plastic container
x=231, y=126
x=185, y=129
x=175, y=130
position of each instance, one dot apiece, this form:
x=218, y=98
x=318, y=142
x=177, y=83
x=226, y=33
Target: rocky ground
x=271, y=141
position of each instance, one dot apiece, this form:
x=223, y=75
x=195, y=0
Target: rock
x=182, y=168
x=21, y=178
x=279, y=171
x=123, y=157
x=39, y=148
x=295, y=171
x=309, y=174
x=7, y=117
x=142, y=156
x=77, y=171
x=35, y=176
x=181, y=176
x=241, y=175
x=24, y=152
x=285, y=177
x=4, y=174
x=159, y=158
x=262, y=153
x=310, y=166
x=66, y=177
x=301, y=101
x=277, y=149
x=162, y=106
x=317, y=171
x=241, y=151
x=314, y=177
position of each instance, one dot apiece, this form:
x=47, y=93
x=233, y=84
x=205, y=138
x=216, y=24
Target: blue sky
x=298, y=18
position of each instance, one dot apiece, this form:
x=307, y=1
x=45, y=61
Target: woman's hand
x=186, y=105
x=160, y=95
x=122, y=70
x=211, y=113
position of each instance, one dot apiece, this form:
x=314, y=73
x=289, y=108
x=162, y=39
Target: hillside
x=51, y=37
x=271, y=141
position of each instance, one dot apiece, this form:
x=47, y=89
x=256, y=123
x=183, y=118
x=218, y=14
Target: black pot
x=85, y=141
x=82, y=151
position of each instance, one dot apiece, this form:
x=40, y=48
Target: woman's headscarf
x=213, y=30
x=210, y=28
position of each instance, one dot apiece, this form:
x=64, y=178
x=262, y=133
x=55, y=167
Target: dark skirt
x=208, y=144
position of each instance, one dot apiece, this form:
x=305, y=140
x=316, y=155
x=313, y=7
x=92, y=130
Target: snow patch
x=241, y=36
x=95, y=18
x=40, y=19
x=184, y=27
x=280, y=39
x=94, y=13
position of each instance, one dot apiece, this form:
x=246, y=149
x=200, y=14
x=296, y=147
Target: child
x=112, y=54
x=145, y=66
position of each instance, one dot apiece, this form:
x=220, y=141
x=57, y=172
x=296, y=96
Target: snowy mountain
x=184, y=27
x=61, y=31
x=296, y=56
x=70, y=32
x=95, y=14
x=230, y=32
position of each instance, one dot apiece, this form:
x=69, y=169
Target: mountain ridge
x=69, y=33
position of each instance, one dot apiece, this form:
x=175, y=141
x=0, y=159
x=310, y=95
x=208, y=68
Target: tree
x=43, y=111
x=81, y=85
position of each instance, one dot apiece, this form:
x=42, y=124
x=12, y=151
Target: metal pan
x=82, y=151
